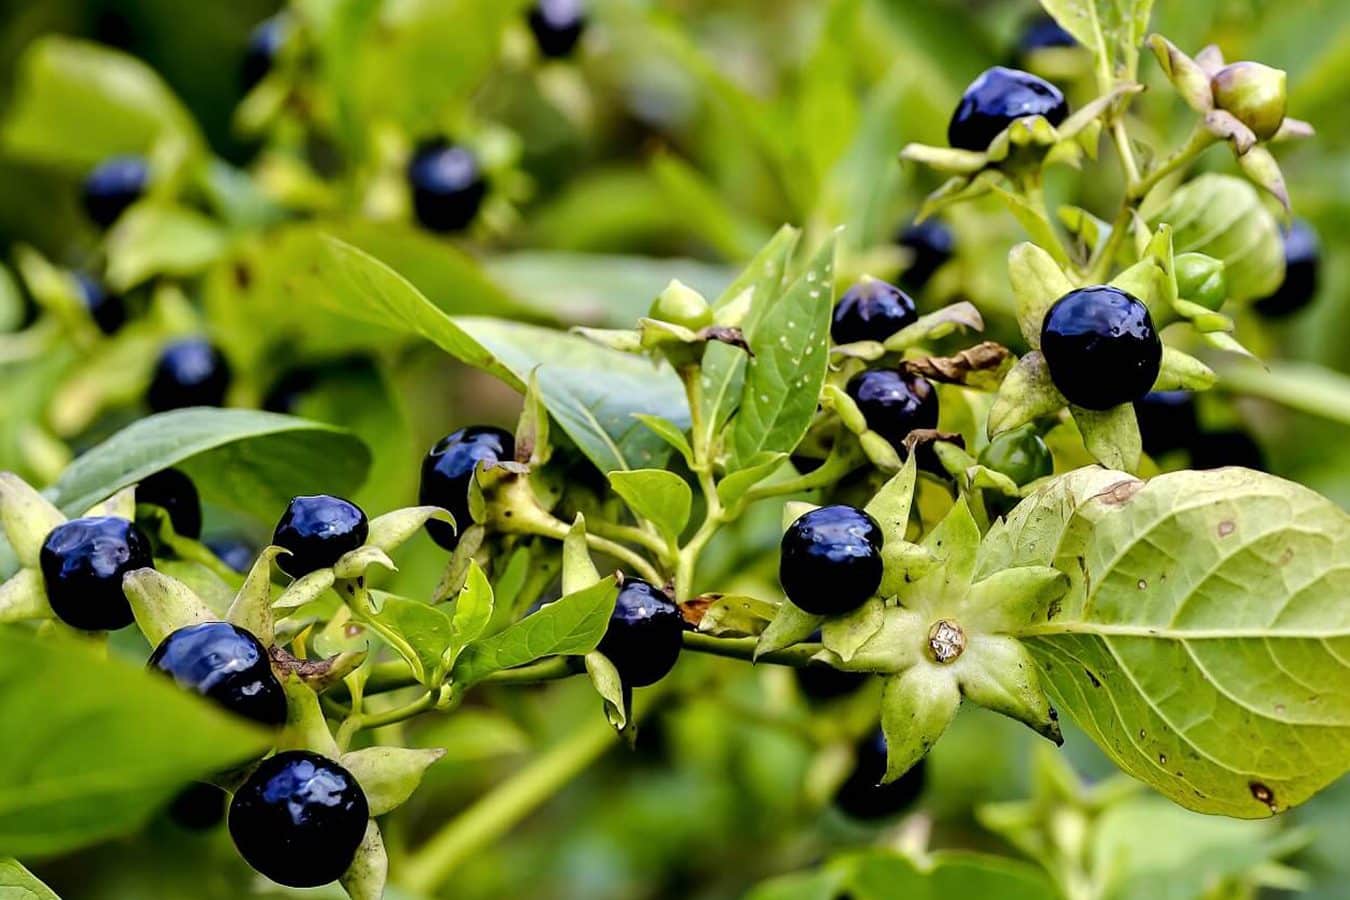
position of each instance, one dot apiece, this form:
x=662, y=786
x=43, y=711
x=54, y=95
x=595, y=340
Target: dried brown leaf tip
x=983, y=365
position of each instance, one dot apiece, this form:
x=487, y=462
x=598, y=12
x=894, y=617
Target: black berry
x=112, y=186
x=1043, y=33
x=264, y=42
x=830, y=560
x=1302, y=266
x=1101, y=347
x=175, y=493
x=287, y=391
x=645, y=634
x=108, y=310
x=199, y=807
x=447, y=185
x=557, y=26
x=863, y=796
x=236, y=553
x=299, y=819
x=894, y=403
x=318, y=530
x=190, y=372
x=227, y=664
x=871, y=311
x=931, y=244
x=1167, y=421
x=446, y=471
x=82, y=564
x=996, y=99
x=821, y=682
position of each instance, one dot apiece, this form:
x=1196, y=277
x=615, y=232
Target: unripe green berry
x=1020, y=454
x=680, y=304
x=1200, y=279
x=1254, y=93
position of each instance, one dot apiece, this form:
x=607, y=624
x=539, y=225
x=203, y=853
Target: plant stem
x=632, y=535
x=498, y=811
x=687, y=556
x=395, y=674
x=354, y=724
x=797, y=656
x=838, y=464
x=536, y=520
x=1126, y=152
x=1200, y=140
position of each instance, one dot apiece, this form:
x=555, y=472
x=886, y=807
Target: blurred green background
x=673, y=143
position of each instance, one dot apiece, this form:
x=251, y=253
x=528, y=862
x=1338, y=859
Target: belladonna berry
x=190, y=372
x=82, y=563
x=299, y=819
x=175, y=493
x=198, y=807
x=263, y=44
x=108, y=310
x=112, y=186
x=894, y=403
x=449, y=466
x=1101, y=347
x=227, y=664
x=1302, y=265
x=447, y=185
x=234, y=552
x=1167, y=421
x=931, y=244
x=645, y=634
x=830, y=560
x=318, y=530
x=996, y=99
x=871, y=311
x=557, y=26
x=863, y=796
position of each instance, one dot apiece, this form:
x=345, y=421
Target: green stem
x=1305, y=387
x=502, y=808
x=535, y=520
x=632, y=535
x=1200, y=140
x=1126, y=152
x=395, y=674
x=838, y=464
x=797, y=656
x=354, y=724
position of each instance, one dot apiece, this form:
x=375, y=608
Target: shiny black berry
x=299, y=819
x=1101, y=347
x=996, y=99
x=112, y=186
x=227, y=664
x=871, y=311
x=263, y=44
x=446, y=471
x=175, y=493
x=1167, y=421
x=1217, y=449
x=190, y=372
x=82, y=564
x=199, y=807
x=894, y=403
x=1302, y=266
x=830, y=560
x=557, y=26
x=821, y=682
x=1043, y=33
x=318, y=530
x=863, y=796
x=447, y=185
x=108, y=310
x=645, y=634
x=234, y=552
x=931, y=245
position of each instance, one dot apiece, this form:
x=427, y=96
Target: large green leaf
x=789, y=341
x=17, y=883
x=77, y=103
x=570, y=626
x=1203, y=643
x=245, y=460
x=591, y=391
x=97, y=745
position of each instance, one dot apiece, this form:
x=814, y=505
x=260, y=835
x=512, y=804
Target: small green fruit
x=1200, y=279
x=1020, y=454
x=680, y=304
x=1254, y=93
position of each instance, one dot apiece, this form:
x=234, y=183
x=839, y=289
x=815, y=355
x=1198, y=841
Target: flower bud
x=1254, y=93
x=1200, y=279
x=680, y=304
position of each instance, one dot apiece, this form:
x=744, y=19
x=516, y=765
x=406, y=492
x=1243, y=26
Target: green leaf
x=244, y=460
x=1111, y=435
x=669, y=432
x=422, y=634
x=790, y=626
x=473, y=608
x=150, y=736
x=1201, y=635
x=736, y=484
x=609, y=685
x=77, y=103
x=662, y=498
x=784, y=377
x=153, y=239
x=572, y=625
x=17, y=883
x=843, y=635
x=1081, y=19
x=389, y=775
x=890, y=506
x=884, y=874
